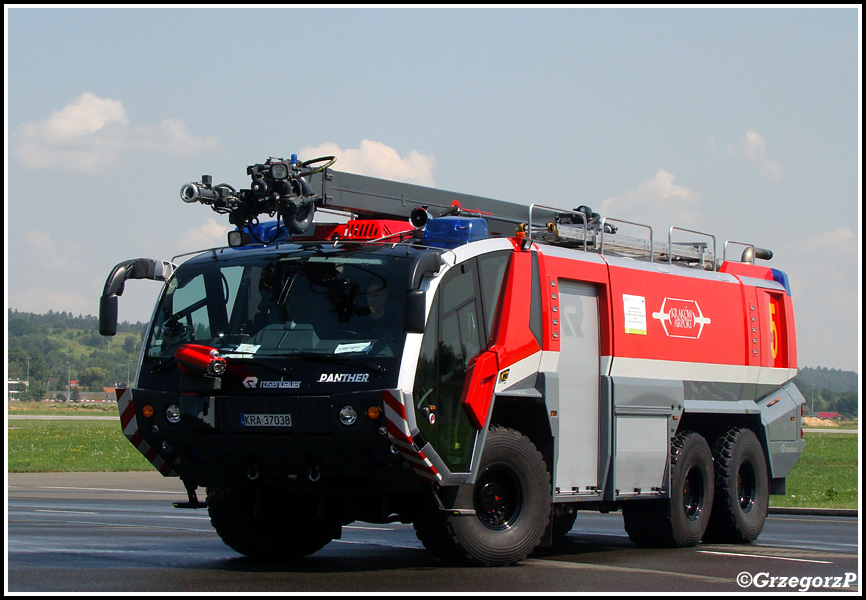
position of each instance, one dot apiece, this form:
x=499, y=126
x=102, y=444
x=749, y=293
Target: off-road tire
x=559, y=526
x=511, y=497
x=681, y=520
x=268, y=526
x=742, y=489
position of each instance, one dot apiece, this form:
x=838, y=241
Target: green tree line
x=52, y=348
x=829, y=390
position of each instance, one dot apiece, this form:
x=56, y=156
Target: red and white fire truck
x=481, y=369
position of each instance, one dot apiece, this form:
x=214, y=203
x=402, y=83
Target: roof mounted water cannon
x=278, y=187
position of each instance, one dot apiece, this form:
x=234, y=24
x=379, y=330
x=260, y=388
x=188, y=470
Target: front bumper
x=278, y=440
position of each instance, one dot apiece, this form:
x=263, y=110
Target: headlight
x=348, y=416
x=172, y=414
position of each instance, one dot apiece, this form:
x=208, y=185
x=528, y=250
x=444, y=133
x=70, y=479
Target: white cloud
x=90, y=134
x=171, y=136
x=753, y=147
x=209, y=235
x=43, y=251
x=375, y=159
x=658, y=202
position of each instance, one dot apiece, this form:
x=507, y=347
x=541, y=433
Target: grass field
x=35, y=446
x=826, y=476
x=62, y=408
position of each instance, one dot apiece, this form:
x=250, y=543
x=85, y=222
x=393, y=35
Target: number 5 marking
x=774, y=345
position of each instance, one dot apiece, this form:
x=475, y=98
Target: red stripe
x=430, y=468
x=426, y=468
x=127, y=415
x=394, y=404
x=397, y=433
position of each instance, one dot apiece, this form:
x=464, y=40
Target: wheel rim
x=693, y=493
x=746, y=487
x=498, y=498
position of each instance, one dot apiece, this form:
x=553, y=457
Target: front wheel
x=511, y=497
x=267, y=524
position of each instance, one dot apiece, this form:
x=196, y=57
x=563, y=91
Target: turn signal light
x=374, y=412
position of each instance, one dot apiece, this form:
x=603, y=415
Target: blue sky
x=741, y=122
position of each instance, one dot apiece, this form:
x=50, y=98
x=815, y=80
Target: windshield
x=345, y=303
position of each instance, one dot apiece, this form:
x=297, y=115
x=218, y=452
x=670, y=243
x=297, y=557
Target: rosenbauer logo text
x=253, y=382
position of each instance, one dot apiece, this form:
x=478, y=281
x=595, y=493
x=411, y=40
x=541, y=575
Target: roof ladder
x=599, y=234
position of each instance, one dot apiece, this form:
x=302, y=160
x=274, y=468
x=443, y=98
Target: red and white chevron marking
x=398, y=431
x=129, y=425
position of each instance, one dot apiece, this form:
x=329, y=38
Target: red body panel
x=647, y=312
x=686, y=319
x=513, y=337
x=675, y=314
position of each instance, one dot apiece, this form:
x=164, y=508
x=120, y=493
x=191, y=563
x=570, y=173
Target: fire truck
x=481, y=369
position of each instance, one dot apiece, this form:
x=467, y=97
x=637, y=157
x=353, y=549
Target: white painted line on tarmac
x=65, y=512
x=93, y=489
x=820, y=562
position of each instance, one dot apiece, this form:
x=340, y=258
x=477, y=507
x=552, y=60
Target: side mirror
x=140, y=268
x=108, y=315
x=415, y=303
x=414, y=309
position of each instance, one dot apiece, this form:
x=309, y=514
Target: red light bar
x=372, y=229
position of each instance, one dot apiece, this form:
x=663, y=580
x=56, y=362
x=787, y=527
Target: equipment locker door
x=578, y=370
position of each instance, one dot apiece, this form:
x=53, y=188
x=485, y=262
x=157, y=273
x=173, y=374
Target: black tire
x=742, y=489
x=263, y=524
x=560, y=525
x=511, y=498
x=681, y=520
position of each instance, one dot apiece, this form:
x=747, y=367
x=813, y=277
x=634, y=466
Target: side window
x=535, y=301
x=453, y=338
x=491, y=272
x=183, y=316
x=461, y=328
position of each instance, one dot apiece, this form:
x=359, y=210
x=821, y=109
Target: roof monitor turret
x=278, y=187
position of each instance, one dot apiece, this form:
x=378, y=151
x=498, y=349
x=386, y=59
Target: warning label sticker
x=634, y=309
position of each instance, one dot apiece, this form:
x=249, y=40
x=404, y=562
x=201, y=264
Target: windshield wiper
x=284, y=371
x=165, y=366
x=321, y=357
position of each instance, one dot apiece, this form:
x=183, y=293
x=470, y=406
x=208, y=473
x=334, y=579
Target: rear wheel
x=681, y=520
x=511, y=497
x=266, y=524
x=742, y=488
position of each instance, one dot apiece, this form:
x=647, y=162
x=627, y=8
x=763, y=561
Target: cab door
x=457, y=332
x=452, y=338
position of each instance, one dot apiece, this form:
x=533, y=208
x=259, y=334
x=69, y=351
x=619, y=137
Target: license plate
x=266, y=420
